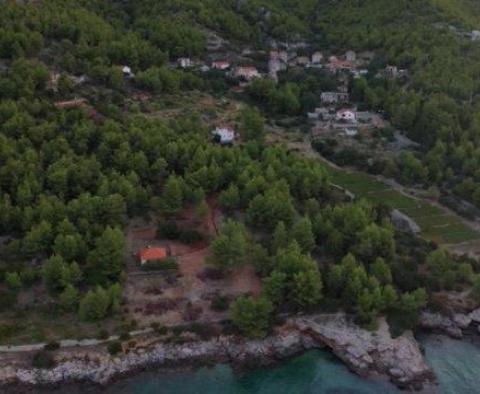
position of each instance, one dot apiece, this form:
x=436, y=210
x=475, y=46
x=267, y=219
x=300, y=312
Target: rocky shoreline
x=365, y=353
x=453, y=324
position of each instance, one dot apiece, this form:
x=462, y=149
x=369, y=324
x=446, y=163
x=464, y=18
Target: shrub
x=114, y=347
x=191, y=236
x=168, y=230
x=125, y=336
x=53, y=345
x=219, y=303
x=103, y=334
x=192, y=312
x=167, y=264
x=159, y=329
x=43, y=359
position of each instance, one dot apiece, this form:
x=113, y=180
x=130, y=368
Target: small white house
x=303, y=61
x=334, y=97
x=317, y=57
x=247, y=72
x=224, y=135
x=351, y=56
x=127, y=71
x=184, y=62
x=346, y=115
x=391, y=71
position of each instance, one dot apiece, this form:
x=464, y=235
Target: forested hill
x=84, y=150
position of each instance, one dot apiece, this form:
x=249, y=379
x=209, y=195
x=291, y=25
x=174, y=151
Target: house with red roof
x=152, y=254
x=221, y=65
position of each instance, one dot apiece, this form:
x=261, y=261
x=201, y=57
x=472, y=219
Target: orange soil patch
x=147, y=233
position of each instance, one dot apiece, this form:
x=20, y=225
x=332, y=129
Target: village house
x=276, y=65
x=391, y=71
x=246, y=72
x=152, y=254
x=279, y=55
x=359, y=73
x=346, y=115
x=303, y=61
x=334, y=97
x=184, y=62
x=350, y=56
x=224, y=135
x=325, y=114
x=336, y=65
x=475, y=35
x=317, y=57
x=127, y=72
x=52, y=83
x=220, y=65
x=283, y=56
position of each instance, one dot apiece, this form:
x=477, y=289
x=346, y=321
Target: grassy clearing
x=436, y=224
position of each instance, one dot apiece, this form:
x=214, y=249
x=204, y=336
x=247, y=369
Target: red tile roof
x=149, y=254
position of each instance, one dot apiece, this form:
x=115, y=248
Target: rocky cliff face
x=453, y=324
x=363, y=351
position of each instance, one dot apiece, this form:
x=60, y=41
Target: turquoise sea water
x=313, y=372
x=456, y=364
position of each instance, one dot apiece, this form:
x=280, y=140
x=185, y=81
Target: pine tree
x=69, y=299
x=172, y=195
x=303, y=234
x=251, y=316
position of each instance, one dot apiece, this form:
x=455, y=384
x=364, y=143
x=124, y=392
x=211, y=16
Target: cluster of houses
x=241, y=72
x=343, y=118
x=350, y=62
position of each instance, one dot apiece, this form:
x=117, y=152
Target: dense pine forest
x=73, y=177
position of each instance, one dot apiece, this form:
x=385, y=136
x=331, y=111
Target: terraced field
x=436, y=224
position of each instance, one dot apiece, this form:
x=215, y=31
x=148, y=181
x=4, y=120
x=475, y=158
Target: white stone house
x=346, y=115
x=303, y=61
x=246, y=72
x=351, y=56
x=184, y=62
x=317, y=57
x=127, y=71
x=334, y=97
x=224, y=135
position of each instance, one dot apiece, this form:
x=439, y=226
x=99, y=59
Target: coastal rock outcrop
x=370, y=351
x=363, y=351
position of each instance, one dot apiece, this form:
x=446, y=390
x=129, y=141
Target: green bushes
x=170, y=230
x=43, y=359
x=114, y=348
x=167, y=264
x=53, y=345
